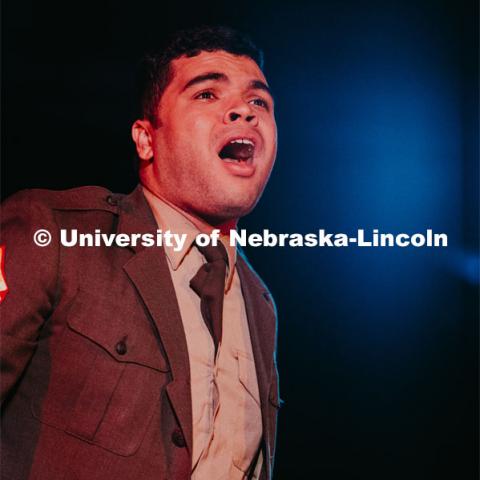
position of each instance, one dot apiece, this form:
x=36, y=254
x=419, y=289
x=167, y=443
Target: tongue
x=237, y=151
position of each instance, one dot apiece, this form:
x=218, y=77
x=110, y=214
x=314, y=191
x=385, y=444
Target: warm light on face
x=216, y=144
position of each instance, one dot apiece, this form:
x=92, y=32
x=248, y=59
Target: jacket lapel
x=149, y=272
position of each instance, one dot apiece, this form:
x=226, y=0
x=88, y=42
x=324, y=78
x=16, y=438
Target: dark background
x=377, y=110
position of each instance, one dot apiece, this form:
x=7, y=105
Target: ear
x=141, y=134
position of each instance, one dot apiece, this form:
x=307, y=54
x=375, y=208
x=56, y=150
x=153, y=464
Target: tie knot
x=214, y=253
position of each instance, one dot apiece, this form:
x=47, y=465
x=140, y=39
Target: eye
x=259, y=102
x=206, y=95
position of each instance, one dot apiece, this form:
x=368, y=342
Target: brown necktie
x=209, y=285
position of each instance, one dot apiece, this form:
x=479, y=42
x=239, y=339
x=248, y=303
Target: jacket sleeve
x=31, y=276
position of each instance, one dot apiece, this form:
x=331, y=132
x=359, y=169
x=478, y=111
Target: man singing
x=137, y=363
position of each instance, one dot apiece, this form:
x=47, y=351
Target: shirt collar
x=170, y=217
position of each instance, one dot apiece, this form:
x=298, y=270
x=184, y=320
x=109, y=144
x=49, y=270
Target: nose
x=241, y=111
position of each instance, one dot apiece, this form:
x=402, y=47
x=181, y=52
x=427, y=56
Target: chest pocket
x=107, y=373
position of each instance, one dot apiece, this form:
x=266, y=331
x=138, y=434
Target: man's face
x=216, y=142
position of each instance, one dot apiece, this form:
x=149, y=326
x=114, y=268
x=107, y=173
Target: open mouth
x=238, y=150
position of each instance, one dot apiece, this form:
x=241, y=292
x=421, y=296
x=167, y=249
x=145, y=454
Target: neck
x=203, y=223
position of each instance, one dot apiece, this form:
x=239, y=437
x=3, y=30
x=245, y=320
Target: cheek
x=270, y=130
x=271, y=147
x=200, y=120
x=194, y=136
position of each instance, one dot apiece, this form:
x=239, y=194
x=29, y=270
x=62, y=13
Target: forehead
x=235, y=67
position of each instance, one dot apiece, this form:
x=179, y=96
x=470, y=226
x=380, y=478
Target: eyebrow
x=259, y=85
x=221, y=77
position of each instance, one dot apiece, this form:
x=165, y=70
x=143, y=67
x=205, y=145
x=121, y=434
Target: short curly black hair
x=155, y=74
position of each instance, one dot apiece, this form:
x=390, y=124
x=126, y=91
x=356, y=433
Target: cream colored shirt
x=227, y=421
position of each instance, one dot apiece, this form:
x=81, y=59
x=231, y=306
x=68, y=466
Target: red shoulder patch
x=3, y=280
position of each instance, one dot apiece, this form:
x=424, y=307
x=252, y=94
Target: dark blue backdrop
x=377, y=110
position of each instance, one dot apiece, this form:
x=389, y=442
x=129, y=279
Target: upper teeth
x=242, y=140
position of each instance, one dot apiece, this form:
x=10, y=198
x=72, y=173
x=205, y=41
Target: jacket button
x=112, y=201
x=121, y=348
x=178, y=439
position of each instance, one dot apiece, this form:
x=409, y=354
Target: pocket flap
x=247, y=374
x=124, y=332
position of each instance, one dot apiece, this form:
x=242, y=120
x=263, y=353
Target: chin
x=224, y=211
x=237, y=210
